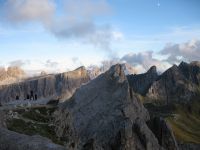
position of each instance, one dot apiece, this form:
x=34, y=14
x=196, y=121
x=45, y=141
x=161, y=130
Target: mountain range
x=111, y=110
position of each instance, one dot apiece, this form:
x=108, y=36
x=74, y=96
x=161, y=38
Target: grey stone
x=104, y=115
x=178, y=83
x=163, y=133
x=142, y=82
x=10, y=140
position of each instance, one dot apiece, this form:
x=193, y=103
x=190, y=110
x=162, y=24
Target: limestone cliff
x=49, y=86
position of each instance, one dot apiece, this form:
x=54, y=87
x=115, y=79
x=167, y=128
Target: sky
x=60, y=35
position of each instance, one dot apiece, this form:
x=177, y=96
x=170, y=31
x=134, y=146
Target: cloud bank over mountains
x=141, y=62
x=174, y=53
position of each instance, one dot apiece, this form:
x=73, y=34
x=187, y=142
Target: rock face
x=191, y=71
x=50, y=86
x=178, y=83
x=142, y=82
x=105, y=114
x=163, y=133
x=10, y=140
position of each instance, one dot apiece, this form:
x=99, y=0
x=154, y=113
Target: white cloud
x=19, y=11
x=137, y=41
x=144, y=60
x=51, y=64
x=188, y=51
x=117, y=35
x=74, y=19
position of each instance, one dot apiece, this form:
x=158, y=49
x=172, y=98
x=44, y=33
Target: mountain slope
x=105, y=114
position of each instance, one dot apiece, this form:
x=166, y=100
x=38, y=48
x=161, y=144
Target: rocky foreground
x=10, y=140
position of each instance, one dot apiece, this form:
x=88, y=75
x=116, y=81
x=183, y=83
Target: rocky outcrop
x=105, y=114
x=163, y=133
x=50, y=86
x=10, y=140
x=178, y=83
x=141, y=83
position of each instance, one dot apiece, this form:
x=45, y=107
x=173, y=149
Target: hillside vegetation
x=184, y=118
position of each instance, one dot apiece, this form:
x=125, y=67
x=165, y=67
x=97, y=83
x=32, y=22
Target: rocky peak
x=183, y=64
x=191, y=71
x=174, y=68
x=172, y=74
x=95, y=71
x=152, y=70
x=105, y=114
x=176, y=83
x=117, y=72
x=141, y=82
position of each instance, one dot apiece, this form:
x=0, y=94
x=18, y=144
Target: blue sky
x=65, y=34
